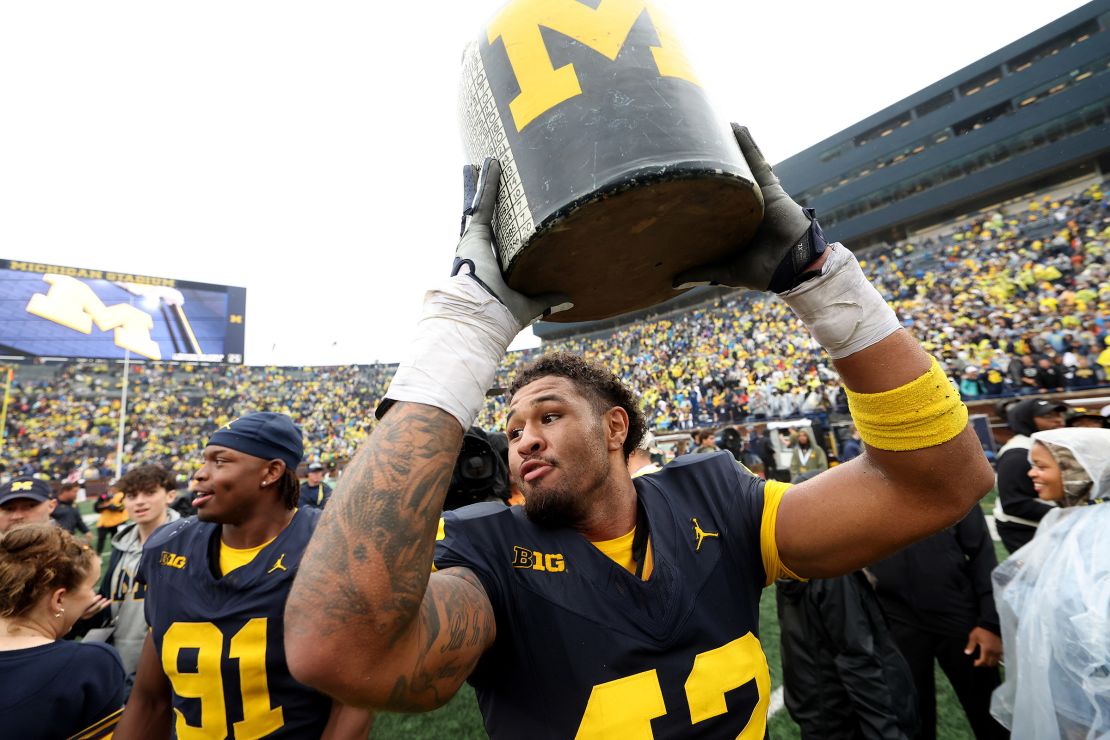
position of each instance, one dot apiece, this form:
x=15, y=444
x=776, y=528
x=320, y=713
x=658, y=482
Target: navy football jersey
x=220, y=638
x=586, y=649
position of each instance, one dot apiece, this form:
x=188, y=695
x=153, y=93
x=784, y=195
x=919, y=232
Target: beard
x=568, y=503
x=554, y=508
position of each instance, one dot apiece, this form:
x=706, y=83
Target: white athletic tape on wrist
x=841, y=308
x=460, y=340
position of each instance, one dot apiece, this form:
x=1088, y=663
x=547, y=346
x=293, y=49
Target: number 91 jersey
x=220, y=638
x=586, y=649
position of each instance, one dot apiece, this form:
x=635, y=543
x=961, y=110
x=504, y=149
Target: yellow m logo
x=604, y=30
x=22, y=485
x=73, y=304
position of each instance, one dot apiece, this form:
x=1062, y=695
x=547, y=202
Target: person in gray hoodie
x=148, y=491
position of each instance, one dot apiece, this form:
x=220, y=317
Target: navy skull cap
x=263, y=434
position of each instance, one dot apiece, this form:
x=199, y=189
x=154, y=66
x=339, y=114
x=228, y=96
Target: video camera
x=481, y=472
x=730, y=439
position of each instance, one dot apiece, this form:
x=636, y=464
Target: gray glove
x=477, y=254
x=786, y=242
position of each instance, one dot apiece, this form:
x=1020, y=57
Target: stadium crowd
x=65, y=426
x=1010, y=303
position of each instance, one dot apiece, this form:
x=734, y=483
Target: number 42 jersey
x=586, y=649
x=220, y=638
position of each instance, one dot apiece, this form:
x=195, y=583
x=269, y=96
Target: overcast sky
x=310, y=151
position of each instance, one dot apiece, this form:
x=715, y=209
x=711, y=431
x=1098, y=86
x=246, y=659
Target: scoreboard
x=73, y=312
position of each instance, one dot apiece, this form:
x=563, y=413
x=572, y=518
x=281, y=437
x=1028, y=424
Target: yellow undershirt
x=619, y=550
x=232, y=558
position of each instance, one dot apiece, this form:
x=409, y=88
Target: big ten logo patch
x=604, y=29
x=171, y=560
x=73, y=304
x=534, y=560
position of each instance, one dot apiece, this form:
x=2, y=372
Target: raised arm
x=365, y=622
x=861, y=511
x=923, y=467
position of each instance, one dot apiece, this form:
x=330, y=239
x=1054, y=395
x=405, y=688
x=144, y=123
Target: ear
x=272, y=473
x=52, y=504
x=56, y=600
x=616, y=428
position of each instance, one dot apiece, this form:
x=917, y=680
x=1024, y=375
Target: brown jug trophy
x=616, y=172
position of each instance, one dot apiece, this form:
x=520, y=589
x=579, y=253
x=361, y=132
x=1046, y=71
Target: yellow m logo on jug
x=604, y=30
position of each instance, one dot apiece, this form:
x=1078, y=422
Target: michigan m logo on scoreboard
x=73, y=304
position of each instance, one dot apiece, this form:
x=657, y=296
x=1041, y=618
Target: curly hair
x=601, y=388
x=36, y=559
x=145, y=479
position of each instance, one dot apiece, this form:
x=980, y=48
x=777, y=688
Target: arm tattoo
x=366, y=570
x=453, y=623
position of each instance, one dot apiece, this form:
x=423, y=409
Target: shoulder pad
x=173, y=530
x=480, y=510
x=721, y=457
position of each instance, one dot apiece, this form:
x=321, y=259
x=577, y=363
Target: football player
x=606, y=606
x=216, y=586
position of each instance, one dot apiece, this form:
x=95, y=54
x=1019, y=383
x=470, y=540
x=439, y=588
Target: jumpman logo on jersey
x=277, y=565
x=701, y=534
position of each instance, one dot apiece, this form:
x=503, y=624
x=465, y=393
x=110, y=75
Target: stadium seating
x=1028, y=279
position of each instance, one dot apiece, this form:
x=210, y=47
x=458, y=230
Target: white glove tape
x=841, y=308
x=460, y=341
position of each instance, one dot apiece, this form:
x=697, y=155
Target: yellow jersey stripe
x=100, y=729
x=773, y=491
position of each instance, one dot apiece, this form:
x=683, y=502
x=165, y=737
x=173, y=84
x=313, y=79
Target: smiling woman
x=1044, y=471
x=1051, y=596
x=1066, y=464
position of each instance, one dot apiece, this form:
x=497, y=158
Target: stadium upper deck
x=1034, y=113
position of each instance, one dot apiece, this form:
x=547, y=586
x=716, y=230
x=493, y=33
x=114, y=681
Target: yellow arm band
x=923, y=413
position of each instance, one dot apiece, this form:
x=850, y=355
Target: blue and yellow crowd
x=67, y=425
x=1013, y=301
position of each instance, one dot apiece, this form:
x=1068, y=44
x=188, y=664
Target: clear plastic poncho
x=1053, y=598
